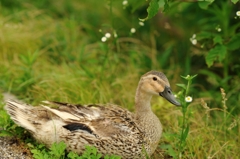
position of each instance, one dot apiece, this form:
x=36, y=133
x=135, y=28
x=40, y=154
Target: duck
x=113, y=130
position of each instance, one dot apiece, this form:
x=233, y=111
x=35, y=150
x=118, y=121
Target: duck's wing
x=101, y=120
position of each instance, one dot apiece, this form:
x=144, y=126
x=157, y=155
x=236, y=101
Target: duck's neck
x=147, y=121
x=142, y=102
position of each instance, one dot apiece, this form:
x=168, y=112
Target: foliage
x=183, y=96
x=184, y=121
x=57, y=151
x=91, y=152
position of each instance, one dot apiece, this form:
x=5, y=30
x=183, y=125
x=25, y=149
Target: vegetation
x=58, y=151
x=95, y=51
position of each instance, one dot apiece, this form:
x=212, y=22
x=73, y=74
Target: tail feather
x=21, y=114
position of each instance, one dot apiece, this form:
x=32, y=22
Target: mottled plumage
x=111, y=129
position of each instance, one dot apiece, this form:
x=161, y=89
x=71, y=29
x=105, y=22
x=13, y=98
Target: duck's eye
x=154, y=78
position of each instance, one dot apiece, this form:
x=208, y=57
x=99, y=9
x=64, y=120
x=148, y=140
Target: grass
x=53, y=51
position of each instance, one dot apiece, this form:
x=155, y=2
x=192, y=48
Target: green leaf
x=203, y=4
x=72, y=155
x=5, y=133
x=233, y=44
x=185, y=133
x=169, y=150
x=166, y=6
x=188, y=77
x=152, y=9
x=234, y=1
x=217, y=39
x=204, y=35
x=112, y=157
x=182, y=86
x=192, y=77
x=37, y=154
x=58, y=149
x=4, y=119
x=217, y=53
x=136, y=5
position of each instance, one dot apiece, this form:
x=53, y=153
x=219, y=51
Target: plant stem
x=184, y=131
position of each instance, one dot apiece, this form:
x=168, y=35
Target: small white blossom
x=219, y=29
x=141, y=23
x=133, y=30
x=107, y=35
x=125, y=2
x=194, y=41
x=188, y=99
x=194, y=36
x=238, y=13
x=104, y=39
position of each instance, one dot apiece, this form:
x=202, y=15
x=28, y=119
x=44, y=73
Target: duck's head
x=156, y=83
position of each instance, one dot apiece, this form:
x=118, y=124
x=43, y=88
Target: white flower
x=141, y=23
x=188, y=99
x=104, y=39
x=194, y=36
x=194, y=41
x=125, y=2
x=133, y=30
x=238, y=13
x=219, y=29
x=107, y=35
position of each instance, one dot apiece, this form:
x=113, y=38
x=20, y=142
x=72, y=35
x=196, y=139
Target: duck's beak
x=167, y=94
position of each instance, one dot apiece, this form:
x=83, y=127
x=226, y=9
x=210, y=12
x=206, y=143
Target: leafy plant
x=26, y=67
x=185, y=101
x=90, y=152
x=57, y=151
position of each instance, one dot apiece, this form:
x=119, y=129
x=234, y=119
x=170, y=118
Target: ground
x=12, y=148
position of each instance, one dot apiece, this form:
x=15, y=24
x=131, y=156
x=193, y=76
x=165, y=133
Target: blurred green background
x=53, y=50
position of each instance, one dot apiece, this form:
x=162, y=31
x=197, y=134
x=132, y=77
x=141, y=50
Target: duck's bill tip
x=177, y=103
x=167, y=94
